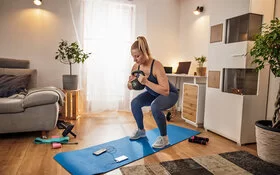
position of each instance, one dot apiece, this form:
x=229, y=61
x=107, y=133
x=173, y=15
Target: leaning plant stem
x=276, y=116
x=70, y=68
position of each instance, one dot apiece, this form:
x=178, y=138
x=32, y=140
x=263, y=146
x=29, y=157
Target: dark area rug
x=239, y=162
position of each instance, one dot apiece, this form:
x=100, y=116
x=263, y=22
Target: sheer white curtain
x=108, y=34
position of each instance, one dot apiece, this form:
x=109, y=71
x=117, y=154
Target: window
x=108, y=34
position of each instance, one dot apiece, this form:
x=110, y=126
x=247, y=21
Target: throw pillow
x=13, y=84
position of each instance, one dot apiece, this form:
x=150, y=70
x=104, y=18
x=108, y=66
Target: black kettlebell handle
x=137, y=73
x=136, y=85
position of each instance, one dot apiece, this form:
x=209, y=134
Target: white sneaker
x=161, y=142
x=138, y=134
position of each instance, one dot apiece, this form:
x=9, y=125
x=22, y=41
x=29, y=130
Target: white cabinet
x=193, y=103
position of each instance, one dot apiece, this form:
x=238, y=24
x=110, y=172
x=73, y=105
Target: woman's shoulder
x=157, y=63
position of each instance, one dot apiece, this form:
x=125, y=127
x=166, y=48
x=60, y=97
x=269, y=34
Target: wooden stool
x=70, y=110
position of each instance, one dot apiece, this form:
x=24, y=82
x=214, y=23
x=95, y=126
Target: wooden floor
x=19, y=155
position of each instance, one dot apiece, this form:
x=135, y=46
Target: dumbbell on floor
x=200, y=140
x=67, y=129
x=197, y=141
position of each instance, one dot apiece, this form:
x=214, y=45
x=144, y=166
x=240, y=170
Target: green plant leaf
x=70, y=53
x=266, y=48
x=200, y=60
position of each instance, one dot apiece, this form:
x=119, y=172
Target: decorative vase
x=201, y=71
x=70, y=82
x=268, y=141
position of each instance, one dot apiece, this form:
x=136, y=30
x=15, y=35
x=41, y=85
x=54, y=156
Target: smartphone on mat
x=121, y=158
x=98, y=152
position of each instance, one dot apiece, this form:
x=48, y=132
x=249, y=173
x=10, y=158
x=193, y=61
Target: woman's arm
x=163, y=85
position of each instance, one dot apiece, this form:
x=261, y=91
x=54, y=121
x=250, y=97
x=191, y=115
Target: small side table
x=70, y=110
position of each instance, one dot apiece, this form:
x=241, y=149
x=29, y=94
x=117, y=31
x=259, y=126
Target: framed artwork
x=214, y=79
x=216, y=34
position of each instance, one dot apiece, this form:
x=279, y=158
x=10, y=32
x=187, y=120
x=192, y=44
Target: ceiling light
x=37, y=2
x=198, y=10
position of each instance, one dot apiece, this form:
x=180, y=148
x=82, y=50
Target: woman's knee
x=135, y=103
x=157, y=112
x=155, y=107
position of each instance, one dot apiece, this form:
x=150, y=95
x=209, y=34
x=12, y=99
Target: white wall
x=141, y=18
x=194, y=31
x=174, y=33
x=262, y=7
x=31, y=32
x=163, y=30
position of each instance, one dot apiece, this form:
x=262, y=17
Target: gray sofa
x=35, y=110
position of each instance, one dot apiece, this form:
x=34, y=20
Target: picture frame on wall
x=216, y=34
x=214, y=79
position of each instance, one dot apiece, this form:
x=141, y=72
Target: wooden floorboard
x=19, y=155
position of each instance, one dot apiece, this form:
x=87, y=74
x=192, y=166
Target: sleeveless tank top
x=153, y=79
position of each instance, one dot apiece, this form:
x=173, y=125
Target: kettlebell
x=136, y=85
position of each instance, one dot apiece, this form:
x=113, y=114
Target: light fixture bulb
x=198, y=10
x=37, y=2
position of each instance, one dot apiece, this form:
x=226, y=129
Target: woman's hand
x=142, y=79
x=130, y=78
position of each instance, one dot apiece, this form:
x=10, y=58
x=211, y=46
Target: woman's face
x=138, y=56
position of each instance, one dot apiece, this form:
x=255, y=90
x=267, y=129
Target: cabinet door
x=190, y=102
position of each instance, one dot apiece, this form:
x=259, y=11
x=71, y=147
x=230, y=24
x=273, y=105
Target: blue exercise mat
x=82, y=161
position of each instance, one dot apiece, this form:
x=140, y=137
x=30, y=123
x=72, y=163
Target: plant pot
x=70, y=82
x=268, y=141
x=201, y=71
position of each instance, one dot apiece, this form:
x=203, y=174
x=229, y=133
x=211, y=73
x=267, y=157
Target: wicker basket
x=268, y=142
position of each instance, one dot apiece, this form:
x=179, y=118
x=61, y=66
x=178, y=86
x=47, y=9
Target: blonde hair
x=142, y=45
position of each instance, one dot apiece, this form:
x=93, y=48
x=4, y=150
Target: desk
x=191, y=97
x=191, y=78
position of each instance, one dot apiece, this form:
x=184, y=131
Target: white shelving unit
x=227, y=114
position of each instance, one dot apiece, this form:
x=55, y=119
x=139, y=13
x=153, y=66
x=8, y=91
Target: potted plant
x=266, y=50
x=201, y=71
x=70, y=53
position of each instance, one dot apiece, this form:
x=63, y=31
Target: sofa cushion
x=32, y=72
x=12, y=84
x=10, y=105
x=40, y=98
x=14, y=63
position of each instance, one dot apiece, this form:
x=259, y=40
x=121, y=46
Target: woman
x=160, y=94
